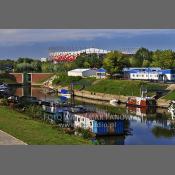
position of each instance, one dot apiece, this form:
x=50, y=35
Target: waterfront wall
x=161, y=103
x=100, y=96
x=37, y=78
x=18, y=77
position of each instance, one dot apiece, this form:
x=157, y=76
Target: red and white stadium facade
x=70, y=56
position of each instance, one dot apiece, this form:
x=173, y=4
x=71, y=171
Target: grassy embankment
x=34, y=132
x=108, y=86
x=7, y=78
x=170, y=96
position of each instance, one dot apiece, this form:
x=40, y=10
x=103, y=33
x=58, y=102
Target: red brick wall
x=38, y=77
x=18, y=76
x=19, y=92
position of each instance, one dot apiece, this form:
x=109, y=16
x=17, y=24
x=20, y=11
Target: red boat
x=141, y=102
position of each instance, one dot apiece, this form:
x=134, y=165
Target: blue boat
x=65, y=93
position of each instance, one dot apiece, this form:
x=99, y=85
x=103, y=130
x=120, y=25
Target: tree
x=91, y=61
x=164, y=59
x=114, y=62
x=141, y=56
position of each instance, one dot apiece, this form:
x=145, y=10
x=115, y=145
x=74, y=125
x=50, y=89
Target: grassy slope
x=32, y=131
x=6, y=78
x=170, y=95
x=123, y=87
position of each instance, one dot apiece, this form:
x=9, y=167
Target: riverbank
x=107, y=89
x=105, y=98
x=35, y=132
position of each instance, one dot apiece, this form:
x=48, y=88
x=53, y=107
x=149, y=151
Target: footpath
x=7, y=139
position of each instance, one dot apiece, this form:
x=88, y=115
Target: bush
x=86, y=133
x=4, y=102
x=34, y=111
x=63, y=79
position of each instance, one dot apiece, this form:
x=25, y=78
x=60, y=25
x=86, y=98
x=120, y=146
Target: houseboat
x=100, y=123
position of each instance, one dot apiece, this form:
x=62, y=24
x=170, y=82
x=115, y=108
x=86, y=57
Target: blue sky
x=34, y=43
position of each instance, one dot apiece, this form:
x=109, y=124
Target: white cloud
x=28, y=36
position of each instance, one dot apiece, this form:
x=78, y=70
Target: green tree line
x=113, y=62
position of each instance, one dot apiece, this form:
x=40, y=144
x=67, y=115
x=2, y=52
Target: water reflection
x=143, y=126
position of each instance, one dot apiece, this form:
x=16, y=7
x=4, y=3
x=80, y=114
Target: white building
x=151, y=73
x=82, y=72
x=43, y=59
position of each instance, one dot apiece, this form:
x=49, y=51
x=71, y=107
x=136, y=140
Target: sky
x=34, y=43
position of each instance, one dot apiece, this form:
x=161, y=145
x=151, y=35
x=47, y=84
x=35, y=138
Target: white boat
x=171, y=108
x=114, y=102
x=3, y=86
x=65, y=93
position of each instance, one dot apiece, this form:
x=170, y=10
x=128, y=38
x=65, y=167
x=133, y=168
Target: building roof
x=141, y=68
x=78, y=70
x=101, y=70
x=97, y=115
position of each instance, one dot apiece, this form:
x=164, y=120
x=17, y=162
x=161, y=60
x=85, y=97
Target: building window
x=79, y=119
x=90, y=123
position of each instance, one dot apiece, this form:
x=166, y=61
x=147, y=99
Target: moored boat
x=143, y=101
x=114, y=102
x=171, y=108
x=65, y=93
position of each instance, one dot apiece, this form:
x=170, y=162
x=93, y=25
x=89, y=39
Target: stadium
x=69, y=55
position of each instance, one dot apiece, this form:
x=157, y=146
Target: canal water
x=145, y=127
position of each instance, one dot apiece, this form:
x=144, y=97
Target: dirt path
x=171, y=87
x=7, y=139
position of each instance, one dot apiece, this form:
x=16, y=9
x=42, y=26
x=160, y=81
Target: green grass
x=34, y=132
x=170, y=95
x=124, y=87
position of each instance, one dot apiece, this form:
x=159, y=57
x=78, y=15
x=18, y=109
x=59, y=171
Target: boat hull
x=141, y=103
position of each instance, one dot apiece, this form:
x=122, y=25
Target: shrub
x=34, y=111
x=4, y=102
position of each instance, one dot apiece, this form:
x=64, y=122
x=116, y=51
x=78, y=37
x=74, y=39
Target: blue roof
x=151, y=70
x=142, y=69
x=101, y=70
x=64, y=91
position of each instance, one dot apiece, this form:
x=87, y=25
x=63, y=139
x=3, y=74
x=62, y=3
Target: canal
x=145, y=127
